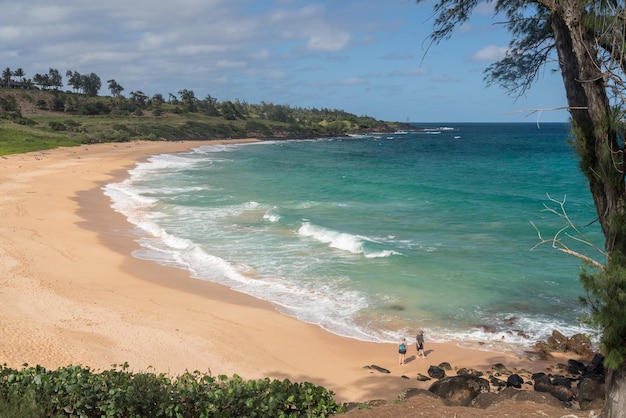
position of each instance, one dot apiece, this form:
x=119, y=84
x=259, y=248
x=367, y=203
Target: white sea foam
x=343, y=241
x=381, y=254
x=249, y=244
x=271, y=216
x=339, y=240
x=322, y=302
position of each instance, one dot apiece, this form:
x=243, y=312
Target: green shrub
x=56, y=126
x=76, y=391
x=72, y=125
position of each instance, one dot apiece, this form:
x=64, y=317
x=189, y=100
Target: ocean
x=376, y=236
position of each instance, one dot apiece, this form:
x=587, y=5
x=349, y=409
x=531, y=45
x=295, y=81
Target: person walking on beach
x=419, y=343
x=402, y=350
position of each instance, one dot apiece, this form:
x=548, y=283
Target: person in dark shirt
x=419, y=344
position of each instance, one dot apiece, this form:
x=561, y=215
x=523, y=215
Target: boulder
x=597, y=365
x=445, y=365
x=412, y=392
x=469, y=372
x=422, y=378
x=459, y=390
x=562, y=393
x=541, y=376
x=541, y=351
x=485, y=400
x=579, y=344
x=510, y=393
x=436, y=372
x=575, y=366
x=562, y=381
x=498, y=383
x=537, y=397
x=500, y=368
x=515, y=381
x=591, y=388
x=557, y=342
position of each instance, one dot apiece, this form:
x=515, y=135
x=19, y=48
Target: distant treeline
x=83, y=100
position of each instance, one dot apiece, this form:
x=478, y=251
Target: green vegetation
x=33, y=119
x=75, y=391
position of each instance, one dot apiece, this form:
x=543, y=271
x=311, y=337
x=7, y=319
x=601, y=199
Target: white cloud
x=490, y=53
x=306, y=53
x=328, y=41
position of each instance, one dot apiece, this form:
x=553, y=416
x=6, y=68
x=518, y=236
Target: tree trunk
x=615, y=404
x=601, y=158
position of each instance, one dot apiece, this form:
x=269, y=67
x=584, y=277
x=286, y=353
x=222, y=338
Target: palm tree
x=6, y=76
x=19, y=73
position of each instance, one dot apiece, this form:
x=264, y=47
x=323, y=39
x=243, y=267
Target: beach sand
x=71, y=293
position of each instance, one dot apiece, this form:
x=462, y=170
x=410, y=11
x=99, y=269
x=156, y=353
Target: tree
x=73, y=79
x=588, y=40
x=209, y=106
x=139, y=98
x=6, y=76
x=55, y=79
x=188, y=97
x=41, y=80
x=115, y=88
x=19, y=73
x=158, y=99
x=90, y=84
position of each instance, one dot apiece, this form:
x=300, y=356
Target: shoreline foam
x=71, y=293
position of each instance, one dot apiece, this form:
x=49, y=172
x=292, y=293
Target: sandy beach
x=71, y=293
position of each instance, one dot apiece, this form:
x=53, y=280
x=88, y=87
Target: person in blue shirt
x=402, y=350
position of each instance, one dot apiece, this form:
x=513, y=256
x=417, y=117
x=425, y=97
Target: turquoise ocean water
x=376, y=236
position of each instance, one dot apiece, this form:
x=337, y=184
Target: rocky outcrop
x=489, y=399
x=436, y=372
x=562, y=393
x=591, y=392
x=578, y=344
x=459, y=390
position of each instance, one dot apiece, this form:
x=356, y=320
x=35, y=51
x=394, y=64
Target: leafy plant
x=77, y=391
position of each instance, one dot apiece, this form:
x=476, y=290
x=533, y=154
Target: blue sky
x=368, y=57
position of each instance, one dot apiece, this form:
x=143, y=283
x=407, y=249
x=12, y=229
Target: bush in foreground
x=77, y=391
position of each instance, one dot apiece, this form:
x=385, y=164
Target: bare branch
x=556, y=241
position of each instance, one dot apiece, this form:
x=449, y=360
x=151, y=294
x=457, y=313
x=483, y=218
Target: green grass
x=15, y=139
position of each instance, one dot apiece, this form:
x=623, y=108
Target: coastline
x=71, y=293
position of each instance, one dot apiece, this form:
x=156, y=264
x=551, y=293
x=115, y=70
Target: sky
x=367, y=57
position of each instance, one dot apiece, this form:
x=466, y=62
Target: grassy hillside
x=42, y=119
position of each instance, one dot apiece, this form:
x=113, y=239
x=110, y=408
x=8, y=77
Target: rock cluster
x=576, y=385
